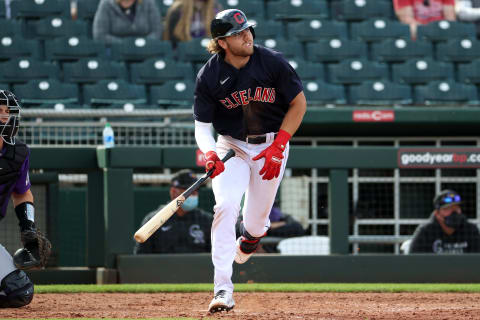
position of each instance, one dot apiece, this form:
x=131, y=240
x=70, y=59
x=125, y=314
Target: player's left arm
x=37, y=247
x=294, y=116
x=22, y=197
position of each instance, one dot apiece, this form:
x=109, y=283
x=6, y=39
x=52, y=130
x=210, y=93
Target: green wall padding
x=72, y=227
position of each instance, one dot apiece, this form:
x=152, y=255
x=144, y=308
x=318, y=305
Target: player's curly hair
x=213, y=47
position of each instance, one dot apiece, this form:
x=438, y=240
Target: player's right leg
x=228, y=188
x=16, y=289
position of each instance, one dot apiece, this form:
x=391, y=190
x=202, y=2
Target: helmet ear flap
x=252, y=31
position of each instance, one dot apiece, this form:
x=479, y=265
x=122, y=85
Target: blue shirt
x=252, y=100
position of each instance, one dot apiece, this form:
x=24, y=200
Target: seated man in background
x=187, y=231
x=281, y=225
x=119, y=19
x=415, y=12
x=448, y=230
x=469, y=11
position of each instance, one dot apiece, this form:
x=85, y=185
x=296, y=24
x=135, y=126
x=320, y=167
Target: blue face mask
x=190, y=203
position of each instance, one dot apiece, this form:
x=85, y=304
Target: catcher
x=16, y=289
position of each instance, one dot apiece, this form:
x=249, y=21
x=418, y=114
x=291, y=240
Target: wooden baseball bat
x=166, y=212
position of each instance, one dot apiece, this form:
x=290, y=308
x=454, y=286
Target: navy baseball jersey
x=252, y=100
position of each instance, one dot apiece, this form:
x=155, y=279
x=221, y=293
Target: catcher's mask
x=9, y=120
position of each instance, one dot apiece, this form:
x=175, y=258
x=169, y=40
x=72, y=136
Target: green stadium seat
x=90, y=70
x=113, y=92
x=173, y=94
x=158, y=71
x=323, y=93
x=469, y=72
x=397, y=50
x=268, y=29
x=3, y=9
x=86, y=9
x=17, y=46
x=21, y=70
x=73, y=48
x=194, y=51
x=49, y=91
x=139, y=49
x=39, y=9
x=252, y=8
x=357, y=71
x=380, y=93
x=163, y=6
x=458, y=50
x=445, y=30
x=416, y=71
x=313, y=29
x=334, y=50
x=307, y=70
x=297, y=9
x=378, y=29
x=358, y=10
x=447, y=93
x=10, y=27
x=53, y=27
x=60, y=106
x=289, y=49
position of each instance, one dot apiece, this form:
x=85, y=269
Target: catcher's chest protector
x=11, y=161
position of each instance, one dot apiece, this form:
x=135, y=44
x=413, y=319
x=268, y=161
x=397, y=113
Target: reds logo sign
x=373, y=116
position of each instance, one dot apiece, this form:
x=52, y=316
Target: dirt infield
x=263, y=306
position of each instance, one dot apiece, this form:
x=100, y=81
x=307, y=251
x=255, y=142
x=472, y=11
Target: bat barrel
x=165, y=213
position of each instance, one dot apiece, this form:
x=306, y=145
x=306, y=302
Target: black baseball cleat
x=245, y=249
x=223, y=301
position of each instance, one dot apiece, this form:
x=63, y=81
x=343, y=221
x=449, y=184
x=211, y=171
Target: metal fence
x=40, y=127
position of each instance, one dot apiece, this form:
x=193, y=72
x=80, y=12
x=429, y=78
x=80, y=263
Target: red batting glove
x=273, y=156
x=213, y=161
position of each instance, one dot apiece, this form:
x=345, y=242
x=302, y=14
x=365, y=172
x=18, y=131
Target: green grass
x=264, y=287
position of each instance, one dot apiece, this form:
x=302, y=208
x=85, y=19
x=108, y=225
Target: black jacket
x=187, y=234
x=430, y=238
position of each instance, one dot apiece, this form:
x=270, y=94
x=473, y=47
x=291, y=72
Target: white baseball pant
x=240, y=177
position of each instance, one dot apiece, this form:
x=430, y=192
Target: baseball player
x=254, y=100
x=16, y=289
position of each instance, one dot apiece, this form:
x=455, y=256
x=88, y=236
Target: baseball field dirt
x=258, y=305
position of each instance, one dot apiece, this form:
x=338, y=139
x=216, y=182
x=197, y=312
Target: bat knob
x=139, y=238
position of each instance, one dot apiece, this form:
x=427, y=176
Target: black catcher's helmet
x=9, y=126
x=229, y=22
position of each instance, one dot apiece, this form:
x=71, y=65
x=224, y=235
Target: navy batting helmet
x=229, y=22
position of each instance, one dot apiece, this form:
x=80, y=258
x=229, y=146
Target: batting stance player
x=255, y=102
x=16, y=289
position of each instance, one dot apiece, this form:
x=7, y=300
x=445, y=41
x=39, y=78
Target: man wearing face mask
x=187, y=231
x=448, y=231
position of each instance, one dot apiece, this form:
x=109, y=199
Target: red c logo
x=239, y=18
